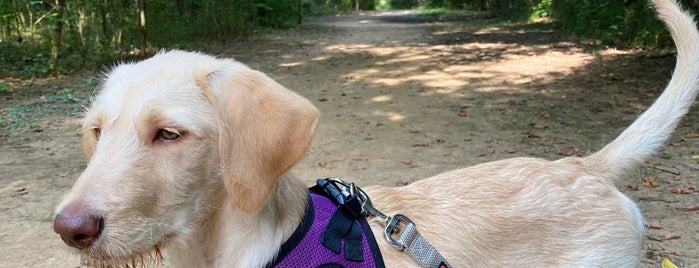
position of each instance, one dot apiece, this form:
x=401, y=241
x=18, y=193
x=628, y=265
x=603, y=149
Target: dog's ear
x=263, y=130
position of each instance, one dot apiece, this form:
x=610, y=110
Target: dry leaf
x=689, y=208
x=545, y=116
x=654, y=225
x=532, y=135
x=691, y=135
x=669, y=236
x=511, y=150
x=463, y=113
x=570, y=151
x=650, y=181
x=681, y=190
x=487, y=152
x=632, y=187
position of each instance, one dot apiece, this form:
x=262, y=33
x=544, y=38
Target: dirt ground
x=402, y=97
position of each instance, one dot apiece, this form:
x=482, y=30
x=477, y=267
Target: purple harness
x=329, y=237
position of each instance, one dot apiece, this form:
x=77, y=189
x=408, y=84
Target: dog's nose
x=78, y=228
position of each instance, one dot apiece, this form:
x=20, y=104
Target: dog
x=191, y=154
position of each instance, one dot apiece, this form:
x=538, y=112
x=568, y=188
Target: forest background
x=50, y=37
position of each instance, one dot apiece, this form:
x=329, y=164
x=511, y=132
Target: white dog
x=191, y=153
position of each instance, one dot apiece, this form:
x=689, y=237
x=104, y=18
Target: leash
x=409, y=240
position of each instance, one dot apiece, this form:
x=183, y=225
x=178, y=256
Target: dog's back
x=527, y=212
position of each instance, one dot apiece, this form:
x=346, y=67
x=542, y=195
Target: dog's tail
x=652, y=129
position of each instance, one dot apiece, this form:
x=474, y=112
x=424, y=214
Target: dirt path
x=403, y=97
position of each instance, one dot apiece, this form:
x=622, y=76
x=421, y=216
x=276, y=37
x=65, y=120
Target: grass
x=63, y=103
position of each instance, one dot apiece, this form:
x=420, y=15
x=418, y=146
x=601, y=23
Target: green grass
x=63, y=103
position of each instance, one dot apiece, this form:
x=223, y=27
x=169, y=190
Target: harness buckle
x=357, y=202
x=343, y=194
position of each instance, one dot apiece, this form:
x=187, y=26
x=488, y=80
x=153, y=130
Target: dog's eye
x=96, y=131
x=168, y=134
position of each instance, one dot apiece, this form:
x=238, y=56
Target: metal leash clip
x=368, y=209
x=409, y=240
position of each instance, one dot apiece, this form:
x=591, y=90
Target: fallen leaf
x=632, y=187
x=681, y=190
x=532, y=135
x=545, y=116
x=669, y=236
x=670, y=199
x=570, y=151
x=691, y=135
x=402, y=183
x=463, y=113
x=689, y=208
x=409, y=163
x=511, y=150
x=650, y=181
x=487, y=152
x=654, y=225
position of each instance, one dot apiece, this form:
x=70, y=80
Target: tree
x=142, y=30
x=57, y=36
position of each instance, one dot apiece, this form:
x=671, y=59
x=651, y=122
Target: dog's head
x=165, y=134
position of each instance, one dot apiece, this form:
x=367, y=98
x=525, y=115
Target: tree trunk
x=19, y=17
x=300, y=14
x=142, y=31
x=57, y=36
x=103, y=20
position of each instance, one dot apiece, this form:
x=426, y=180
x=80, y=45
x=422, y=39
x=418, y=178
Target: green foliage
x=275, y=13
x=4, y=88
x=625, y=23
x=615, y=22
x=541, y=10
x=434, y=11
x=89, y=33
x=39, y=38
x=404, y=4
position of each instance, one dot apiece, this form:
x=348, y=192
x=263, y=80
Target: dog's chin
x=148, y=258
x=100, y=257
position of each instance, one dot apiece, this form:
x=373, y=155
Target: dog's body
x=192, y=153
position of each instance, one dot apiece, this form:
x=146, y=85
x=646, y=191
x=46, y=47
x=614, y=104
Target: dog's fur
x=191, y=153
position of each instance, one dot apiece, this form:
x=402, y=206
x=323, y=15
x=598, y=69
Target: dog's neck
x=249, y=240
